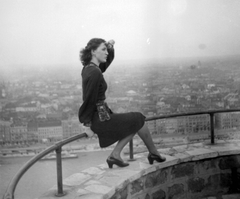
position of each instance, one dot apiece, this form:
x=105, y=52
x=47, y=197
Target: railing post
x=59, y=173
x=131, y=158
x=212, y=127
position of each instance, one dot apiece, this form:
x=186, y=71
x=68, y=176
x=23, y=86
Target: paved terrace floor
x=100, y=182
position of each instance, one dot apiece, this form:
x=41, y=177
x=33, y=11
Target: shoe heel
x=110, y=164
x=150, y=160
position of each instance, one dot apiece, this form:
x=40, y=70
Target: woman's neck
x=95, y=62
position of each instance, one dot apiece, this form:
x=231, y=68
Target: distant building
x=227, y=120
x=184, y=125
x=152, y=125
x=5, y=136
x=51, y=130
x=71, y=127
x=32, y=131
x=18, y=133
x=32, y=107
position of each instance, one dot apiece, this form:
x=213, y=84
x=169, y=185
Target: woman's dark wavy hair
x=85, y=54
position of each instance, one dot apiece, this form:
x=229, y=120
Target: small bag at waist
x=103, y=111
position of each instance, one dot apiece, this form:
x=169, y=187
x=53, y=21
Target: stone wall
x=192, y=180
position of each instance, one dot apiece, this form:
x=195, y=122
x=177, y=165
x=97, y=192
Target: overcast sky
x=53, y=31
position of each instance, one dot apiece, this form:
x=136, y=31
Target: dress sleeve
x=91, y=87
x=104, y=66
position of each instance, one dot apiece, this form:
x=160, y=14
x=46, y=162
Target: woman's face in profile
x=101, y=53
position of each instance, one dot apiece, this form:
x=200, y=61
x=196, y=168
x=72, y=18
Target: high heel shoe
x=111, y=161
x=158, y=158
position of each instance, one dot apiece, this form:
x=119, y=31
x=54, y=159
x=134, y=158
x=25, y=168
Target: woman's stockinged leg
x=145, y=135
x=120, y=145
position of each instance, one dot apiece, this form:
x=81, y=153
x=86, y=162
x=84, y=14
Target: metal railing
x=9, y=194
x=210, y=112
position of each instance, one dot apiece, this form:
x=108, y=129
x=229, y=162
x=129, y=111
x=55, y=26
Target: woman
x=96, y=115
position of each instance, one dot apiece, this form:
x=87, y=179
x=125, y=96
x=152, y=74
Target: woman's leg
x=145, y=135
x=120, y=145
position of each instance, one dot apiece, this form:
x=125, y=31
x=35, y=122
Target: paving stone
x=226, y=150
x=81, y=192
x=170, y=160
x=93, y=171
x=181, y=148
x=89, y=196
x=76, y=179
x=98, y=189
x=103, y=166
x=202, y=153
x=122, y=173
x=90, y=182
x=112, y=181
x=183, y=157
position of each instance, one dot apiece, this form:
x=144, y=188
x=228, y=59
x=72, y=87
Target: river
x=42, y=175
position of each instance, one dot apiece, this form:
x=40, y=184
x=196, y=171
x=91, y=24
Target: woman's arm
x=111, y=53
x=91, y=84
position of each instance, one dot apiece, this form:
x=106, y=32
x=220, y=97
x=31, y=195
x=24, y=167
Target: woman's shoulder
x=91, y=69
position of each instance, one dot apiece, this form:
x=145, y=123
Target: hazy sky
x=53, y=31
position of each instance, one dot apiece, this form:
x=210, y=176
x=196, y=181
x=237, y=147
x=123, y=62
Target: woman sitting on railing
x=97, y=117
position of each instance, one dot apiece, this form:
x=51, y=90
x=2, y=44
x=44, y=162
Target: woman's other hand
x=88, y=131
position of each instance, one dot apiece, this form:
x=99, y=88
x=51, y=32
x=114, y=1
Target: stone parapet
x=191, y=171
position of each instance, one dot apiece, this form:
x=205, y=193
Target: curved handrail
x=9, y=194
x=193, y=113
x=210, y=112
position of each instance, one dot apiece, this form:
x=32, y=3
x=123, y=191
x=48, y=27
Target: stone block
x=183, y=170
x=160, y=194
x=137, y=186
x=231, y=196
x=156, y=178
x=229, y=162
x=208, y=164
x=195, y=185
x=147, y=196
x=121, y=194
x=225, y=180
x=218, y=183
x=176, y=192
x=124, y=193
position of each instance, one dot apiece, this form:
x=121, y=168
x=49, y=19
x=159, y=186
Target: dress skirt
x=118, y=127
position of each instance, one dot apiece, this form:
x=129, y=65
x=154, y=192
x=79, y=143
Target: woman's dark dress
x=94, y=87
